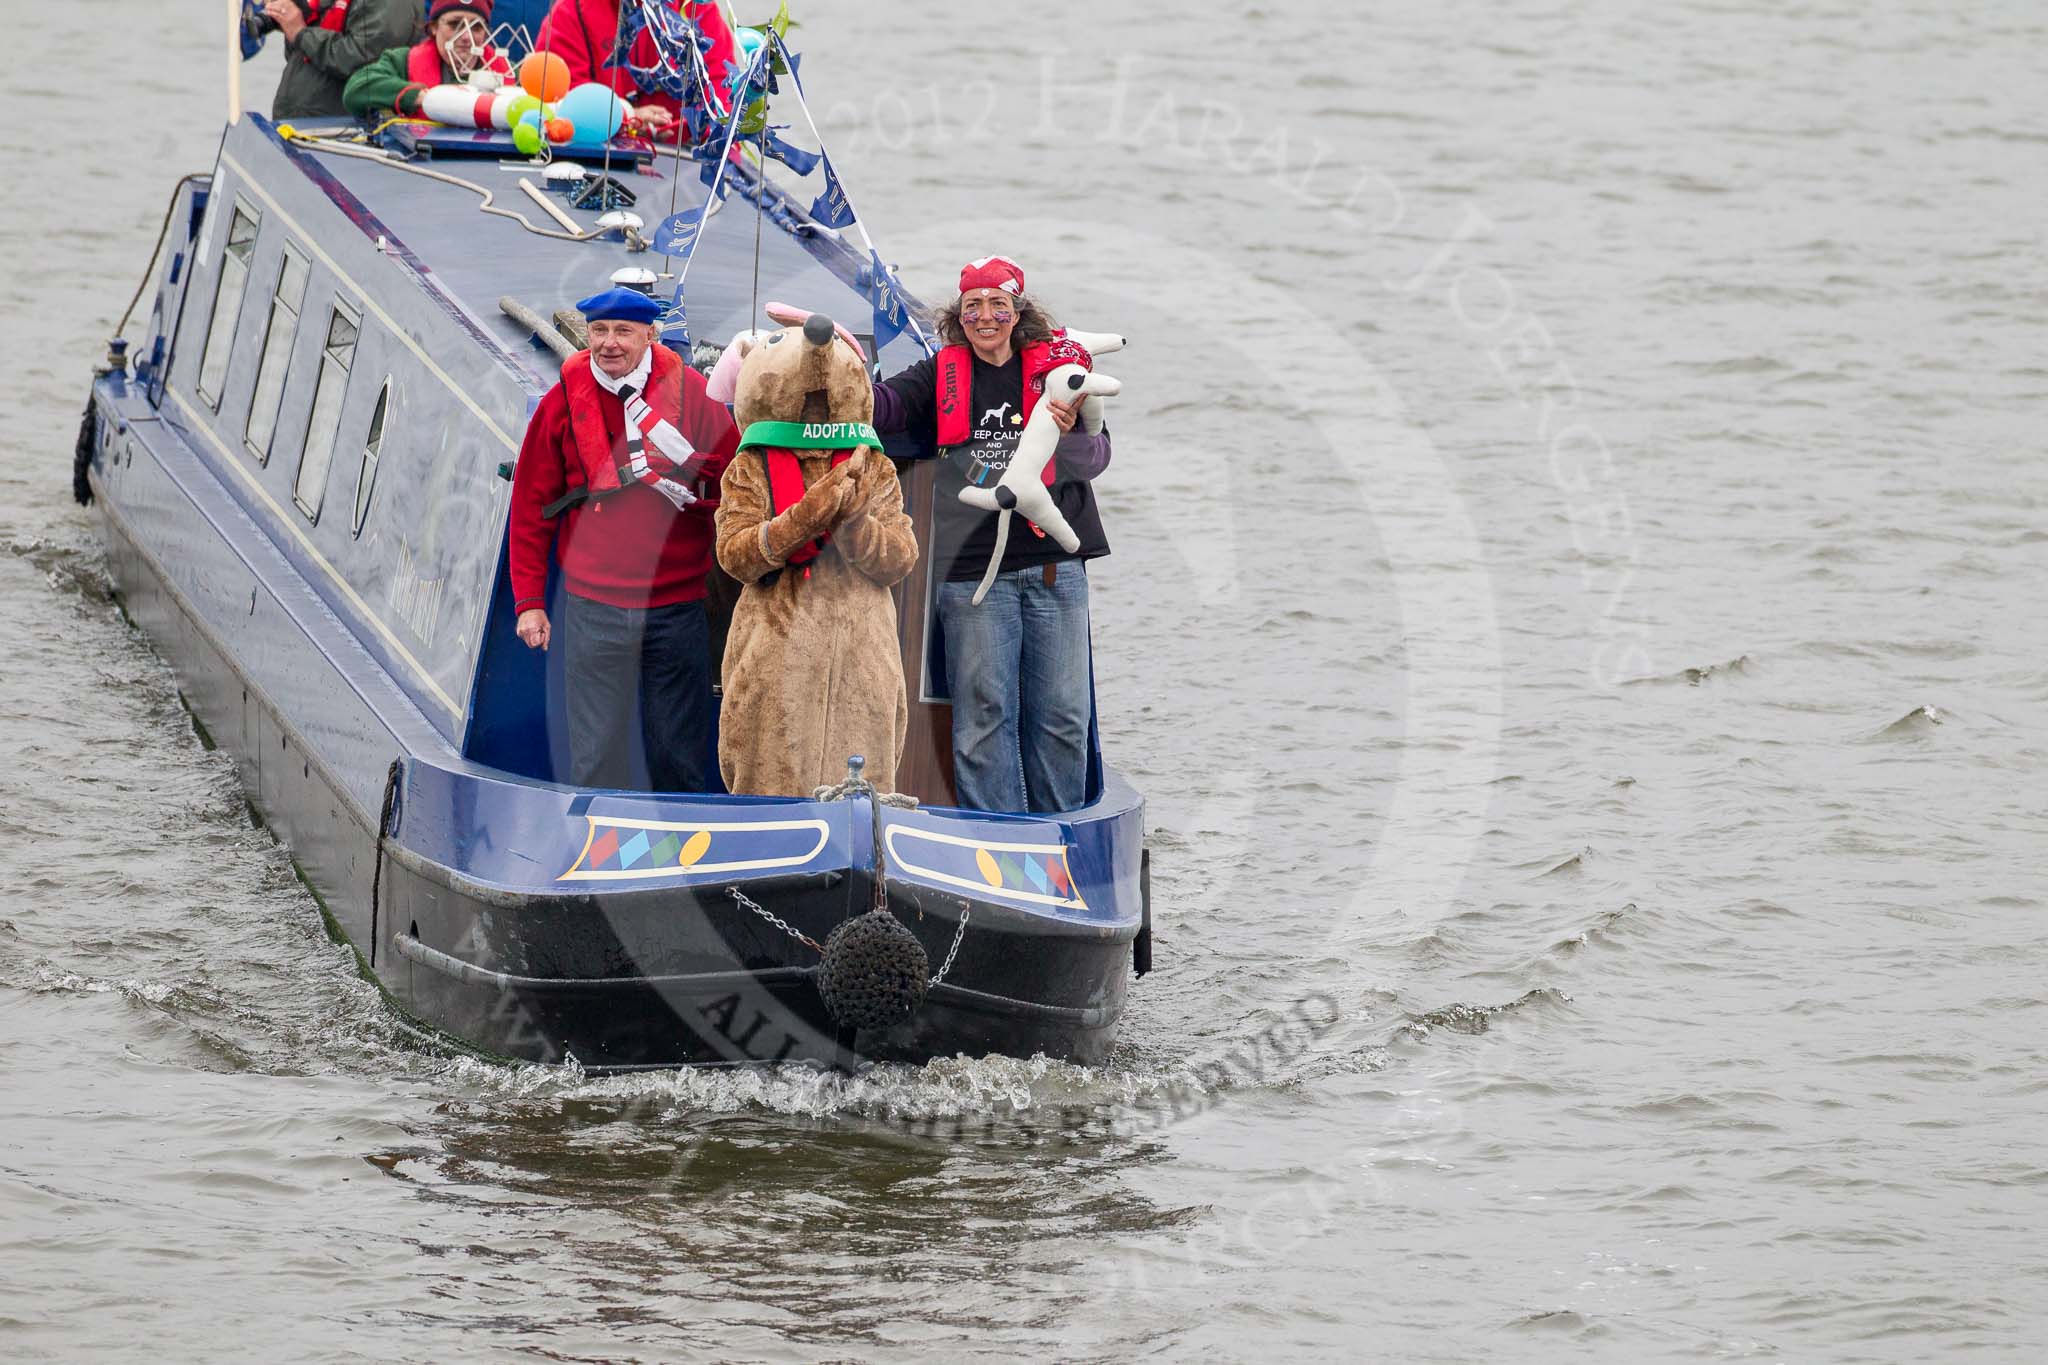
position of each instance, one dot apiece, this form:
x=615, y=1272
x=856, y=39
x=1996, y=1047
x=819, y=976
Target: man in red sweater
x=618, y=475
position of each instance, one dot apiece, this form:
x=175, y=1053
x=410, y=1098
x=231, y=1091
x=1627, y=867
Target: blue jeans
x=653, y=661
x=1017, y=666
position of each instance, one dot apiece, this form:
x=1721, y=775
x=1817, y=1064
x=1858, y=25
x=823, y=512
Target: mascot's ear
x=791, y=316
x=722, y=385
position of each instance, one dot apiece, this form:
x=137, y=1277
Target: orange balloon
x=544, y=76
x=560, y=130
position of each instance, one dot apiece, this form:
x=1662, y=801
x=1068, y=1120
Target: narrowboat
x=301, y=458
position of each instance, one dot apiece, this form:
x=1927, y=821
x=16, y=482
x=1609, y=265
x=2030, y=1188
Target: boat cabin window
x=366, y=476
x=343, y=326
x=277, y=353
x=227, y=303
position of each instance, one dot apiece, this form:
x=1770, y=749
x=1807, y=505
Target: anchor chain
x=784, y=925
x=954, y=951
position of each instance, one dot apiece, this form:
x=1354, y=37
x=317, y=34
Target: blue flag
x=891, y=315
x=831, y=208
x=674, y=235
x=794, y=157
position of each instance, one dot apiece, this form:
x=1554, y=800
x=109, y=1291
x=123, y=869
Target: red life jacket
x=327, y=14
x=599, y=449
x=423, y=63
x=954, y=371
x=785, y=490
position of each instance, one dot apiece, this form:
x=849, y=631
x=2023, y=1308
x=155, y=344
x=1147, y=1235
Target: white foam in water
x=944, y=1088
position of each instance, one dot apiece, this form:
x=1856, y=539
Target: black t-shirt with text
x=964, y=537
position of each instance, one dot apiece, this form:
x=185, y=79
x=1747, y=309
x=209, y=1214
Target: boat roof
x=431, y=210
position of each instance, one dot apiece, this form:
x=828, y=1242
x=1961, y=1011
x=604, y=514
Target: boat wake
x=75, y=572
x=1694, y=676
x=1467, y=1018
x=994, y=1090
x=1919, y=721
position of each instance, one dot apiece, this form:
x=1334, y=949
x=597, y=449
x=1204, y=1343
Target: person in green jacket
x=326, y=42
x=457, y=44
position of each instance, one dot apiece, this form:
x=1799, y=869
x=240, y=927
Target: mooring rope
x=162, y=232
x=838, y=791
x=339, y=148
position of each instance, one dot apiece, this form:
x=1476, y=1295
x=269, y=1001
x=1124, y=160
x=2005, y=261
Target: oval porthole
x=366, y=474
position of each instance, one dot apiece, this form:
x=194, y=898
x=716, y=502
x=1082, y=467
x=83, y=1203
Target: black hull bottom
x=655, y=980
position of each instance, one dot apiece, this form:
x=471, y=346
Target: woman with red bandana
x=585, y=34
x=1016, y=665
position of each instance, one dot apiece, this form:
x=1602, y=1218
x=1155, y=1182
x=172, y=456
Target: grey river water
x=1581, y=521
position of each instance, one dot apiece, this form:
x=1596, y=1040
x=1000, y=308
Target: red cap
x=992, y=272
x=480, y=8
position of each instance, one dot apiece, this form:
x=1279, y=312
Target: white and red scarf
x=680, y=461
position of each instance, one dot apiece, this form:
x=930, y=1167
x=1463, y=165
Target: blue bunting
x=831, y=207
x=891, y=314
x=253, y=33
x=677, y=233
x=675, y=326
x=792, y=156
x=672, y=73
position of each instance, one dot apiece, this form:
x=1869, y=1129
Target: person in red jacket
x=584, y=33
x=618, y=475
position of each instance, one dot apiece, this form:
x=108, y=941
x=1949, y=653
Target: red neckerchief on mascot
x=657, y=454
x=786, y=489
x=423, y=64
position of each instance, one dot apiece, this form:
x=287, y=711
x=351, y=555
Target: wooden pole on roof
x=234, y=61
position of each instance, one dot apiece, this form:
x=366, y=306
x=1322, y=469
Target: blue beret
x=624, y=305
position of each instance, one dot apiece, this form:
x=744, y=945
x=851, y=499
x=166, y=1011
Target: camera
x=257, y=25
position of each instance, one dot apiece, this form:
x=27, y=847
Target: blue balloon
x=746, y=43
x=596, y=112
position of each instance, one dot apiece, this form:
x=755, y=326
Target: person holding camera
x=327, y=41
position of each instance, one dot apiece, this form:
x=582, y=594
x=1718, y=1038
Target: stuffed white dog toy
x=1022, y=488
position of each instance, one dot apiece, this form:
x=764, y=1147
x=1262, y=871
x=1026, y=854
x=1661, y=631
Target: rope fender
x=383, y=833
x=82, y=453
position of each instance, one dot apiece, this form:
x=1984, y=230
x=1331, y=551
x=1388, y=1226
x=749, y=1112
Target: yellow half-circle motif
x=694, y=848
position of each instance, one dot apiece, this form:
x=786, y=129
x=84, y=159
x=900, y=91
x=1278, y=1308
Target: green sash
x=810, y=435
